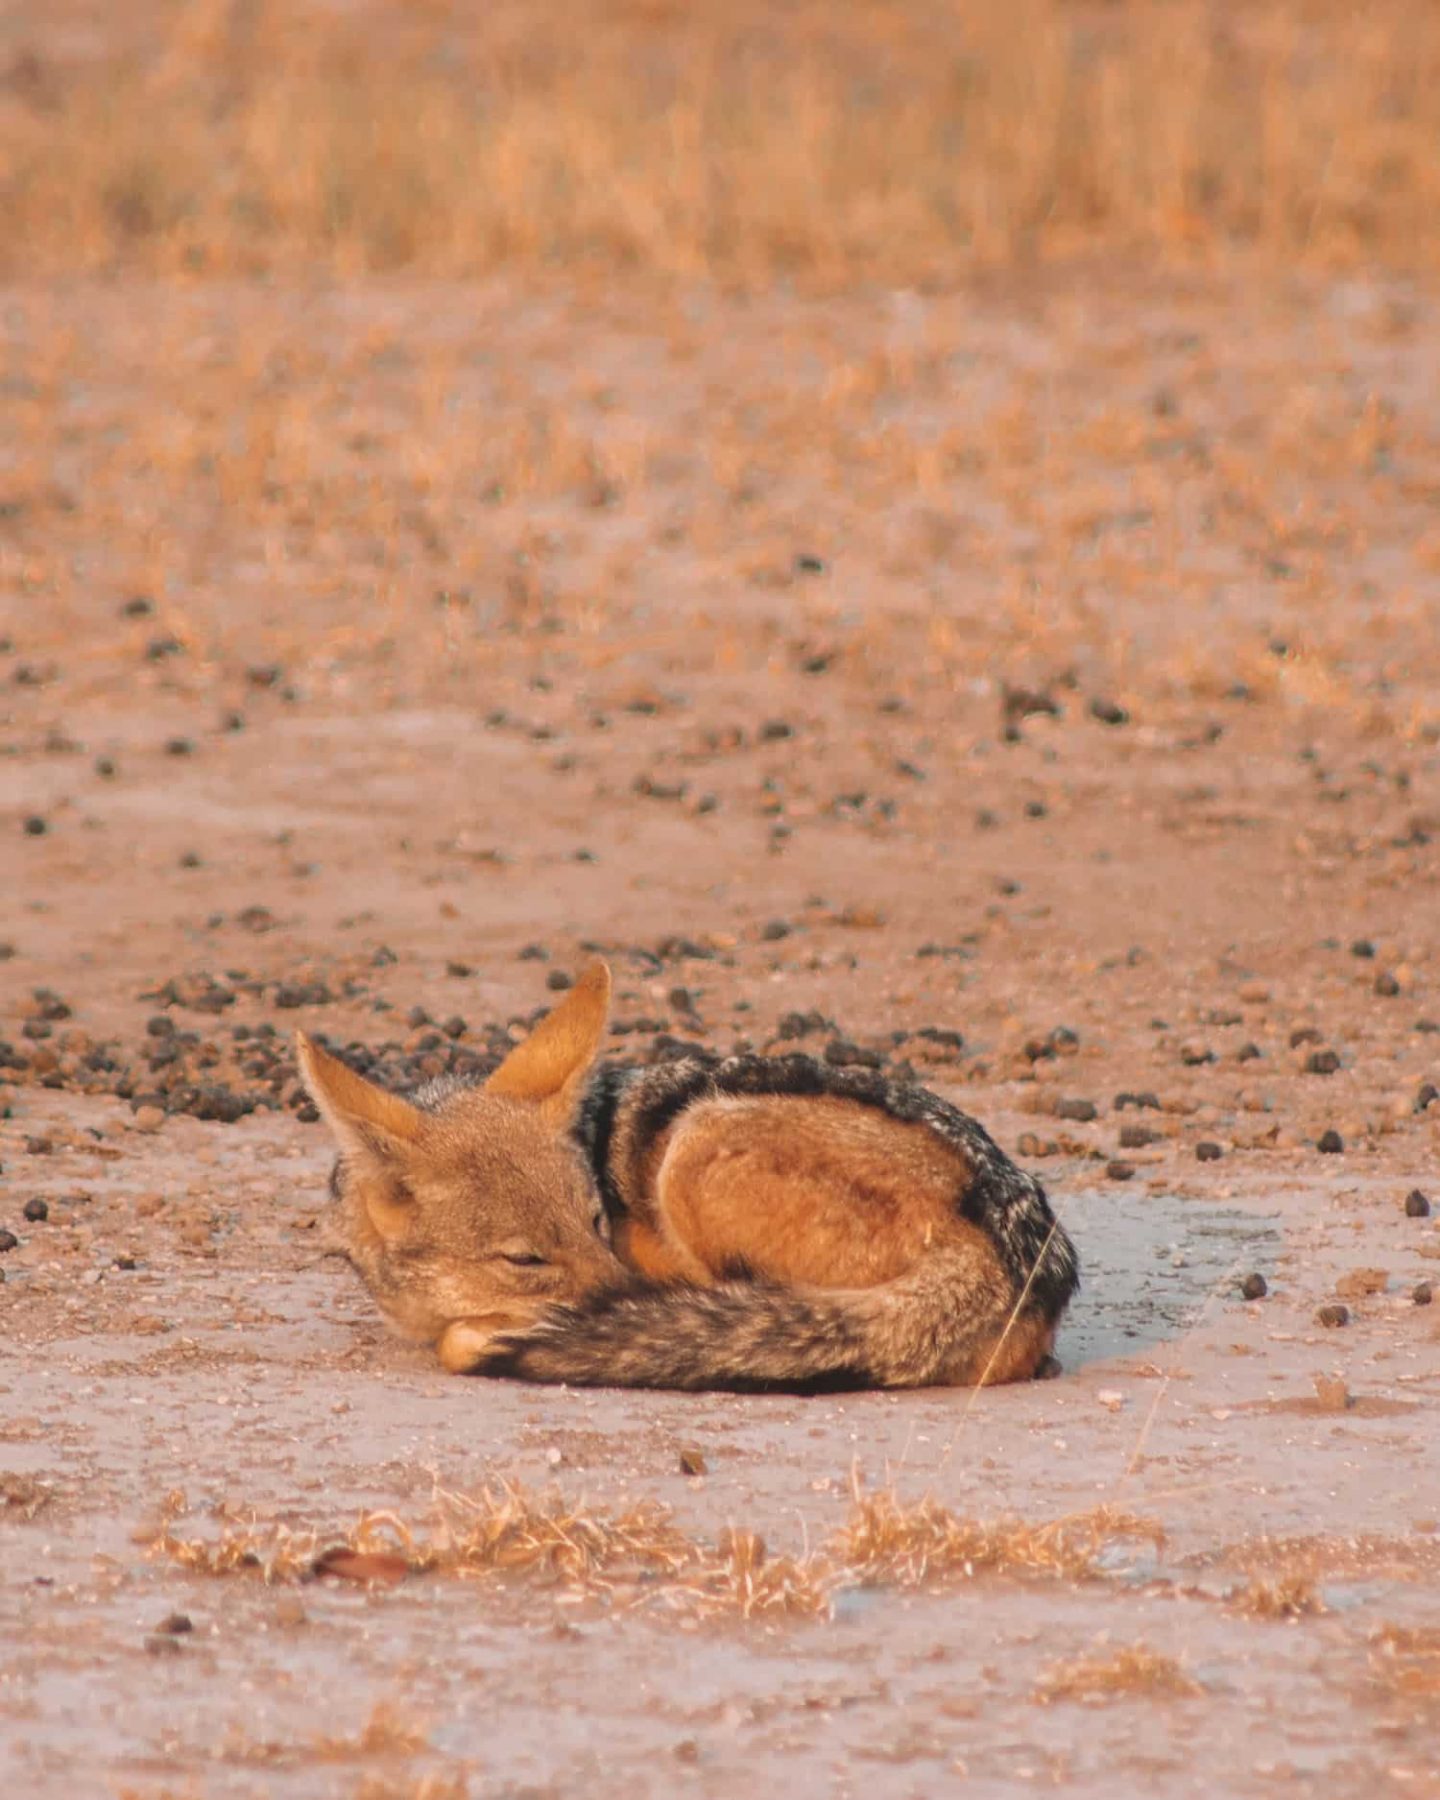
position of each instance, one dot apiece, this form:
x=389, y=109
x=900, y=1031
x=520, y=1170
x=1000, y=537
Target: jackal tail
x=947, y=1321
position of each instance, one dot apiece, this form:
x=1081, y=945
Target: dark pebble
x=1108, y=713
x=1416, y=1205
x=176, y=1624
x=1330, y=1143
x=1119, y=1171
x=1254, y=1287
x=36, y=1211
x=1420, y=1294
x=775, y=930
x=692, y=1462
x=1143, y=1102
x=774, y=730
x=1362, y=947
x=1248, y=1053
x=841, y=1053
x=35, y=826
x=139, y=607
x=1386, y=986
x=105, y=767
x=179, y=746
x=1304, y=1034
x=1334, y=1315
x=8, y=1240
x=1321, y=1062
x=161, y=647
x=558, y=980
x=1427, y=1096
x=461, y=971
x=1081, y=1111
x=1136, y=1137
x=1208, y=1152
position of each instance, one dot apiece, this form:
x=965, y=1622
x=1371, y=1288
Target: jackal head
x=468, y=1217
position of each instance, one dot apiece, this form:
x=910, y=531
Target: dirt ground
x=1037, y=683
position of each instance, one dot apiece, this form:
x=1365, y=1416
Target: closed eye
x=524, y=1259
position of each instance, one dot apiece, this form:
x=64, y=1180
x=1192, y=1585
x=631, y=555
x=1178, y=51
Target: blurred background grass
x=895, y=141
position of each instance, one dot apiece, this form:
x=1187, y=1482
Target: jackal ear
x=550, y=1067
x=366, y=1120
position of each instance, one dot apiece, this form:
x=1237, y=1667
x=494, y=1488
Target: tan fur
x=469, y=1222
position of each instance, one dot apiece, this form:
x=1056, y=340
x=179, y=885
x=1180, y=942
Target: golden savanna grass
x=637, y=1556
x=1136, y=1671
x=883, y=139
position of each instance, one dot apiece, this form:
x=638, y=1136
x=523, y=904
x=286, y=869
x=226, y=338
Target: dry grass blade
x=1133, y=1672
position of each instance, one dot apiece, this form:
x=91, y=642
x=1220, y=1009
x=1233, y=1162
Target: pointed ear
x=366, y=1121
x=551, y=1065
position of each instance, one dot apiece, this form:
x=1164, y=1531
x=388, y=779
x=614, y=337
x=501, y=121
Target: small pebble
x=1081, y=1111
x=1108, y=713
x=149, y=1118
x=1254, y=1286
x=1420, y=1294
x=35, y=826
x=1416, y=1205
x=36, y=1211
x=1330, y=1143
x=1386, y=985
x=692, y=1462
x=1208, y=1152
x=1333, y=1315
x=176, y=1623
x=1118, y=1170
x=1321, y=1062
x=1362, y=947
x=8, y=1240
x=1332, y=1393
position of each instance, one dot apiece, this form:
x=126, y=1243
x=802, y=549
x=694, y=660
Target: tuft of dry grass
x=881, y=140
x=639, y=1558
x=388, y=1732
x=1134, y=1672
x=1287, y=1597
x=889, y=1542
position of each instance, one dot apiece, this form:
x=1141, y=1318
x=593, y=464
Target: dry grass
x=388, y=1732
x=887, y=139
x=889, y=1542
x=1405, y=1662
x=639, y=1558
x=1134, y=1672
x=1288, y=1597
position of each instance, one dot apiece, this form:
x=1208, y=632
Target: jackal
x=747, y=1223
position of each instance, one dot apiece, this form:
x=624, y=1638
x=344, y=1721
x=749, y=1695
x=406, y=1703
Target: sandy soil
x=1052, y=664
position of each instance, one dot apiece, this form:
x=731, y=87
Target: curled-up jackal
x=756, y=1222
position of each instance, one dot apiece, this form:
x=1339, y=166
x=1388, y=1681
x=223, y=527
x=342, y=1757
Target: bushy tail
x=936, y=1323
